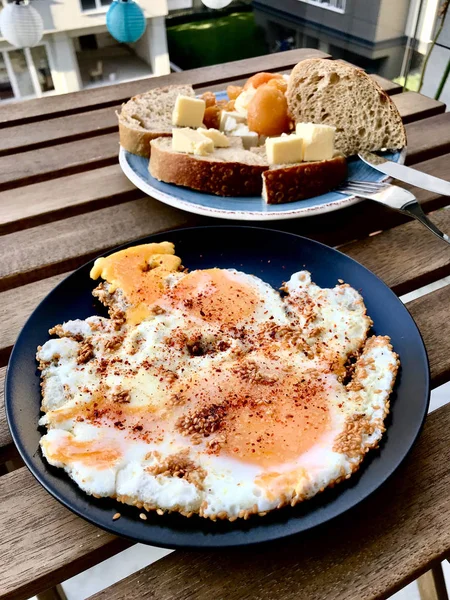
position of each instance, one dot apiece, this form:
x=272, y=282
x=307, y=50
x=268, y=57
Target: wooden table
x=64, y=200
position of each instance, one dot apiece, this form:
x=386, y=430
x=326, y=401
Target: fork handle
x=414, y=210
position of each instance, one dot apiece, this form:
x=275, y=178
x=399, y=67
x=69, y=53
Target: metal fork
x=393, y=196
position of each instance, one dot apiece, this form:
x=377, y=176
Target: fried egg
x=209, y=392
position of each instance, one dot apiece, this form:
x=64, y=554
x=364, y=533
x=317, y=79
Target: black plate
x=273, y=256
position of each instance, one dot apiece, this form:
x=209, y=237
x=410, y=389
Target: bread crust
x=304, y=180
x=209, y=176
x=137, y=141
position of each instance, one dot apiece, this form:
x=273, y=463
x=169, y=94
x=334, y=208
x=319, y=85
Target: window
x=336, y=5
x=25, y=73
x=94, y=4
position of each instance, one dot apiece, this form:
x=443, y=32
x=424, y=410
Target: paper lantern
x=21, y=25
x=125, y=21
x=216, y=4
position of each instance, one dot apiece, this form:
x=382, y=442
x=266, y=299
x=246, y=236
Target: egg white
x=333, y=323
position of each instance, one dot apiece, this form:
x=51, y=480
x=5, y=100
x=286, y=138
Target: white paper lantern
x=216, y=4
x=21, y=25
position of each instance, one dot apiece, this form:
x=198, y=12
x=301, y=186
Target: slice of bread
x=335, y=93
x=148, y=116
x=234, y=171
x=288, y=183
x=229, y=171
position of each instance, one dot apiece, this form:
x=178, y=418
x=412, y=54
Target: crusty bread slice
x=335, y=93
x=149, y=116
x=234, y=171
x=288, y=183
x=229, y=171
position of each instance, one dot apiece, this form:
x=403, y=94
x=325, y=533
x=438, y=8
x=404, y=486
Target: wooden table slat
x=100, y=97
x=58, y=160
x=428, y=138
x=413, y=106
x=53, y=248
x=39, y=203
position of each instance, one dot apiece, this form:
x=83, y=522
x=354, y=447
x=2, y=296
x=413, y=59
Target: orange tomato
x=233, y=91
x=211, y=119
x=280, y=84
x=267, y=113
x=260, y=79
x=209, y=98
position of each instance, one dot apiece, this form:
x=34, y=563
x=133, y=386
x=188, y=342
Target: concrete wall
x=392, y=19
x=359, y=19
x=179, y=4
x=65, y=73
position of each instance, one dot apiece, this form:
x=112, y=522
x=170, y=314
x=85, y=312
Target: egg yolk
x=214, y=296
x=92, y=453
x=264, y=422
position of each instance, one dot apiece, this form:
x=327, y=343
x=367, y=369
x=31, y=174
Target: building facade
x=77, y=51
x=370, y=33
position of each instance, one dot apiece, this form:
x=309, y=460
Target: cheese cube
x=191, y=141
x=243, y=100
x=218, y=138
x=318, y=141
x=188, y=112
x=284, y=149
x=249, y=138
x=229, y=120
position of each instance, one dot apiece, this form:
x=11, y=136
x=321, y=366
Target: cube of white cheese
x=318, y=141
x=284, y=149
x=218, y=138
x=229, y=120
x=188, y=112
x=249, y=138
x=243, y=100
x=191, y=141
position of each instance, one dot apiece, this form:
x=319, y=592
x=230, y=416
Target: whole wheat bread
x=148, y=116
x=288, y=183
x=335, y=93
x=229, y=171
x=234, y=171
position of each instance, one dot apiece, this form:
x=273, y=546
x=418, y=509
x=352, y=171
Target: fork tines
x=367, y=187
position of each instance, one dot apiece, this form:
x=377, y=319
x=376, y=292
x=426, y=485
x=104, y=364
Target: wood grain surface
x=55, y=199
x=56, y=161
x=368, y=553
x=16, y=305
x=34, y=135
x=64, y=245
x=55, y=106
x=42, y=543
x=389, y=254
x=428, y=138
x=413, y=106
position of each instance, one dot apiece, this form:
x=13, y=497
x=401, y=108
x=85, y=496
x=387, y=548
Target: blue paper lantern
x=125, y=21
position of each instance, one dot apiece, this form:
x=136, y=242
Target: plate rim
x=238, y=215
x=213, y=542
